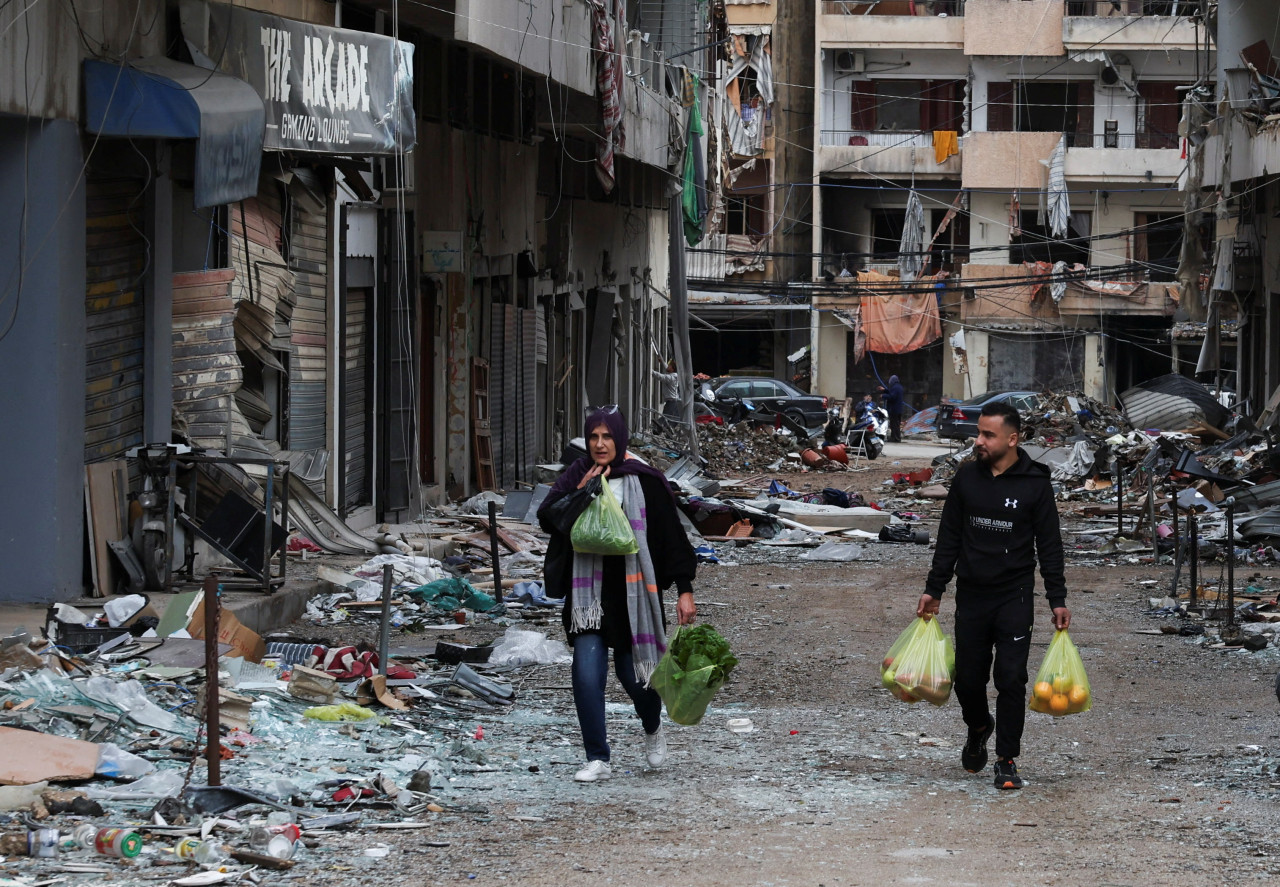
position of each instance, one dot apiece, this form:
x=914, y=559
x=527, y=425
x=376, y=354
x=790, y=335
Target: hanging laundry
x=946, y=143
x=911, y=246
x=609, y=88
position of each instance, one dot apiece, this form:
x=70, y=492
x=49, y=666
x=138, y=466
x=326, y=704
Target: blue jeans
x=590, y=671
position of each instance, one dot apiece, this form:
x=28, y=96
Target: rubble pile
x=743, y=448
x=1070, y=415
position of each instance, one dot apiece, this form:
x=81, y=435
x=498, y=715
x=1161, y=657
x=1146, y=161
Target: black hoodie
x=993, y=527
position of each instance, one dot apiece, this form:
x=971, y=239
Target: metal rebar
x=213, y=729
x=385, y=626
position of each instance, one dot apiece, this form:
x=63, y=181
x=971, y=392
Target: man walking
x=998, y=518
x=894, y=406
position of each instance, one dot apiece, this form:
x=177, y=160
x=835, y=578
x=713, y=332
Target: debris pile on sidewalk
x=744, y=447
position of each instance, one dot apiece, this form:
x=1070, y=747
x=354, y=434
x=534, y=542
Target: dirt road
x=1170, y=779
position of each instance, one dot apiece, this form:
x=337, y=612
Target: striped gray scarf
x=648, y=639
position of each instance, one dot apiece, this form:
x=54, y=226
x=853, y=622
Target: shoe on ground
x=1007, y=775
x=973, y=757
x=655, y=748
x=593, y=772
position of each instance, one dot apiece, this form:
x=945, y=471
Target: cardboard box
x=243, y=641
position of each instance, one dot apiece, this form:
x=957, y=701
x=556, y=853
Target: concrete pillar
x=829, y=355
x=157, y=372
x=1095, y=368
x=42, y=359
x=979, y=343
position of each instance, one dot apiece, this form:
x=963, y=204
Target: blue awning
x=162, y=99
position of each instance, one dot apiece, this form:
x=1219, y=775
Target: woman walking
x=615, y=601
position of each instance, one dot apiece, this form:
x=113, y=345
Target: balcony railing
x=880, y=139
x=893, y=7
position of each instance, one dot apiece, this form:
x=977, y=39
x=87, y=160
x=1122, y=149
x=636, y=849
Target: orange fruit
x=1059, y=704
x=1043, y=690
x=1061, y=683
x=1078, y=696
x=888, y=661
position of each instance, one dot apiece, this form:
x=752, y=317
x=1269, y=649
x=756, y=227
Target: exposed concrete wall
x=42, y=359
x=1007, y=159
x=527, y=34
x=978, y=344
x=890, y=31
x=1129, y=32
x=1095, y=369
x=1013, y=27
x=41, y=49
x=829, y=357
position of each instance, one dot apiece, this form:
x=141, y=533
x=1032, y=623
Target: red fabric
x=895, y=322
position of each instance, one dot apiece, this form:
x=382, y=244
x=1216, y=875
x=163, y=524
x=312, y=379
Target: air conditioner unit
x=1116, y=77
x=849, y=61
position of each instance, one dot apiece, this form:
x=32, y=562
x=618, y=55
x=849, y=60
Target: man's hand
x=928, y=607
x=686, y=609
x=1061, y=618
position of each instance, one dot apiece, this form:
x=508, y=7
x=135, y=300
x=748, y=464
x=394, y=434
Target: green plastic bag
x=603, y=528
x=895, y=650
x=925, y=666
x=347, y=711
x=695, y=666
x=450, y=594
x=1062, y=687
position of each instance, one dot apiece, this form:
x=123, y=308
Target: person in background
x=894, y=405
x=615, y=602
x=669, y=388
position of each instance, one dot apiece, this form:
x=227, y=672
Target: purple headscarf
x=621, y=466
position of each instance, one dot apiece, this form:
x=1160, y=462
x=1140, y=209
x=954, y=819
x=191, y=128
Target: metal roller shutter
x=308, y=259
x=355, y=400
x=116, y=254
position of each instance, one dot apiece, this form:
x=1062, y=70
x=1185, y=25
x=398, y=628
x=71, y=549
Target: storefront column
x=42, y=359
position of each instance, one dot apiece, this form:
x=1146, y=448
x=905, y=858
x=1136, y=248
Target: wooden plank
x=106, y=509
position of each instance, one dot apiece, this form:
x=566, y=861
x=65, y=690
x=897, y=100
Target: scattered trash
x=522, y=647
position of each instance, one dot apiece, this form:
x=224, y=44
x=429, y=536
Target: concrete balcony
x=889, y=154
x=504, y=29
x=1161, y=165
x=890, y=32
x=1154, y=32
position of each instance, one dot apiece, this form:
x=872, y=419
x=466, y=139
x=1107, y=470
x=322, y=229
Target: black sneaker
x=1007, y=774
x=973, y=757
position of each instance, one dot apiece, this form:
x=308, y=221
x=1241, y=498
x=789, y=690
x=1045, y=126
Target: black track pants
x=1002, y=624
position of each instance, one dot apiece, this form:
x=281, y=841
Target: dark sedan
x=959, y=421
x=774, y=395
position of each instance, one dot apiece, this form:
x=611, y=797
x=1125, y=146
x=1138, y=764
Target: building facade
x=1030, y=152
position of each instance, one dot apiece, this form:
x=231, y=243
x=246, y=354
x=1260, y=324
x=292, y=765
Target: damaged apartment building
x=398, y=247
x=744, y=317
x=996, y=192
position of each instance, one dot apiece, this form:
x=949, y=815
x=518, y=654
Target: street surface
x=1172, y=778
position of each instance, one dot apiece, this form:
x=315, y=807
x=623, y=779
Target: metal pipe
x=1193, y=539
x=1231, y=564
x=1119, y=500
x=385, y=626
x=1177, y=552
x=213, y=730
x=493, y=551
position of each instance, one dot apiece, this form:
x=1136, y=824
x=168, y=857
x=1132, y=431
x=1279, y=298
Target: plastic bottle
x=203, y=852
x=275, y=840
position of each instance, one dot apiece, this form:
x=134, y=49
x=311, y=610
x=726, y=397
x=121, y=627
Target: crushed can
x=123, y=843
x=42, y=842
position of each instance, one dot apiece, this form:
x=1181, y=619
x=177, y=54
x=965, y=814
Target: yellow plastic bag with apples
x=923, y=667
x=1061, y=687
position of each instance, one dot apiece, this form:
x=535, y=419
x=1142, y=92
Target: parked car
x=774, y=395
x=959, y=421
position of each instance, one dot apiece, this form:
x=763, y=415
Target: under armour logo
x=1010, y=503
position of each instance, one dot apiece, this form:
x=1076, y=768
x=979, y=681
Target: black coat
x=674, y=562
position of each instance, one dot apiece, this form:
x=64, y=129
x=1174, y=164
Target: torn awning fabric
x=911, y=245
x=897, y=322
x=1059, y=202
x=159, y=98
x=693, y=200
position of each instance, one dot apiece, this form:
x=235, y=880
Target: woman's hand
x=593, y=471
x=686, y=609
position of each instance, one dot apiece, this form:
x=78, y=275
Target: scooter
x=865, y=437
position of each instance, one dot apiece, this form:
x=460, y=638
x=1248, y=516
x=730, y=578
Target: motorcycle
x=865, y=437
x=731, y=410
x=155, y=534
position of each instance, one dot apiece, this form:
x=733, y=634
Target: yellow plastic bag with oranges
x=923, y=667
x=1062, y=687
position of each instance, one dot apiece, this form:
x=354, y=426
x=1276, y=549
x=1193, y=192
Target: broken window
x=1159, y=111
x=907, y=105
x=745, y=214
x=1035, y=243
x=1064, y=106
x=1157, y=243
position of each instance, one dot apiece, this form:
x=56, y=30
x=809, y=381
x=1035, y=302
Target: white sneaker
x=595, y=770
x=655, y=748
